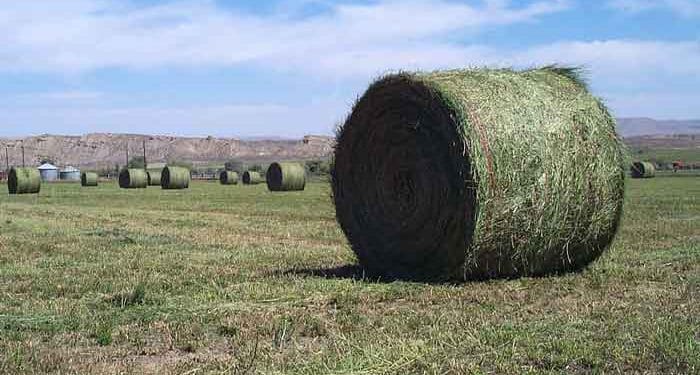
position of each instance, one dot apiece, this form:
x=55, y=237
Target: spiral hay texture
x=474, y=174
x=88, y=179
x=228, y=178
x=251, y=178
x=175, y=178
x=24, y=181
x=133, y=179
x=643, y=169
x=286, y=177
x=153, y=177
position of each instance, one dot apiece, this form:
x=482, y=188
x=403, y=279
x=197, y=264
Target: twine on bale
x=88, y=179
x=24, y=181
x=473, y=174
x=133, y=179
x=286, y=177
x=251, y=178
x=228, y=178
x=153, y=177
x=175, y=178
x=643, y=169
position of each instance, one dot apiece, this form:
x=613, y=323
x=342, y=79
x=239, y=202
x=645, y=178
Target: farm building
x=48, y=172
x=70, y=173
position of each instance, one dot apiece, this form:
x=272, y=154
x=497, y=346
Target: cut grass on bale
x=216, y=280
x=476, y=174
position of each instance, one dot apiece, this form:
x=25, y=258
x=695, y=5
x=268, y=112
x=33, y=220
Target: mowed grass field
x=235, y=279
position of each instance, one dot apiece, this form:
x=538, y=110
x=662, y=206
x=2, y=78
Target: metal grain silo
x=48, y=172
x=70, y=174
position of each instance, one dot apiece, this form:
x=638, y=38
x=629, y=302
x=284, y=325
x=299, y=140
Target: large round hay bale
x=153, y=177
x=473, y=174
x=286, y=177
x=174, y=178
x=643, y=169
x=133, y=179
x=228, y=178
x=24, y=181
x=251, y=178
x=88, y=179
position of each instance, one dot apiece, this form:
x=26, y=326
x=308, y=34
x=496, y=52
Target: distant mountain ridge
x=105, y=150
x=638, y=126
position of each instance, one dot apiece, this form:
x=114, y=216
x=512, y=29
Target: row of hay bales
x=280, y=176
x=169, y=178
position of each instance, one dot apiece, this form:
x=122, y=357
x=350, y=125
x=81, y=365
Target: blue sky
x=294, y=67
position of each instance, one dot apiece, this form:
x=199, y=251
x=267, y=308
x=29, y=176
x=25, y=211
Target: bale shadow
x=348, y=272
x=358, y=273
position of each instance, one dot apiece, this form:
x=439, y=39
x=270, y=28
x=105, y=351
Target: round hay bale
x=286, y=177
x=133, y=179
x=24, y=181
x=474, y=174
x=643, y=169
x=88, y=179
x=153, y=177
x=251, y=178
x=175, y=178
x=228, y=178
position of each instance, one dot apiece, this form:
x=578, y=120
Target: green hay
x=133, y=179
x=643, y=169
x=24, y=181
x=175, y=178
x=88, y=179
x=251, y=178
x=286, y=177
x=473, y=174
x=154, y=177
x=228, y=178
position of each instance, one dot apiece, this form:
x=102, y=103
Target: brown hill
x=107, y=150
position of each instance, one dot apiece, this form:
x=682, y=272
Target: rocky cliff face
x=107, y=150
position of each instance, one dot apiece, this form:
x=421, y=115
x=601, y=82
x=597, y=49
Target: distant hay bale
x=24, y=181
x=251, y=178
x=643, y=169
x=286, y=177
x=88, y=179
x=228, y=178
x=474, y=174
x=153, y=177
x=133, y=179
x=174, y=178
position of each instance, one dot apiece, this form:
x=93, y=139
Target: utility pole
x=126, y=166
x=145, y=164
x=7, y=159
x=23, y=155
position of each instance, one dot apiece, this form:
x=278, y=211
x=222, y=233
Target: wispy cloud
x=82, y=35
x=685, y=8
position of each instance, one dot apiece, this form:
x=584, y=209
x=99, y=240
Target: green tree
x=136, y=162
x=235, y=166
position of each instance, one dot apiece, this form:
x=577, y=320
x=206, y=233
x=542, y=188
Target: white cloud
x=82, y=35
x=685, y=8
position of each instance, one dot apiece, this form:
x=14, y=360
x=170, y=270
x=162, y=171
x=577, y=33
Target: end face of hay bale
x=251, y=178
x=439, y=176
x=153, y=177
x=175, y=178
x=228, y=178
x=286, y=177
x=24, y=181
x=133, y=179
x=88, y=179
x=643, y=169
